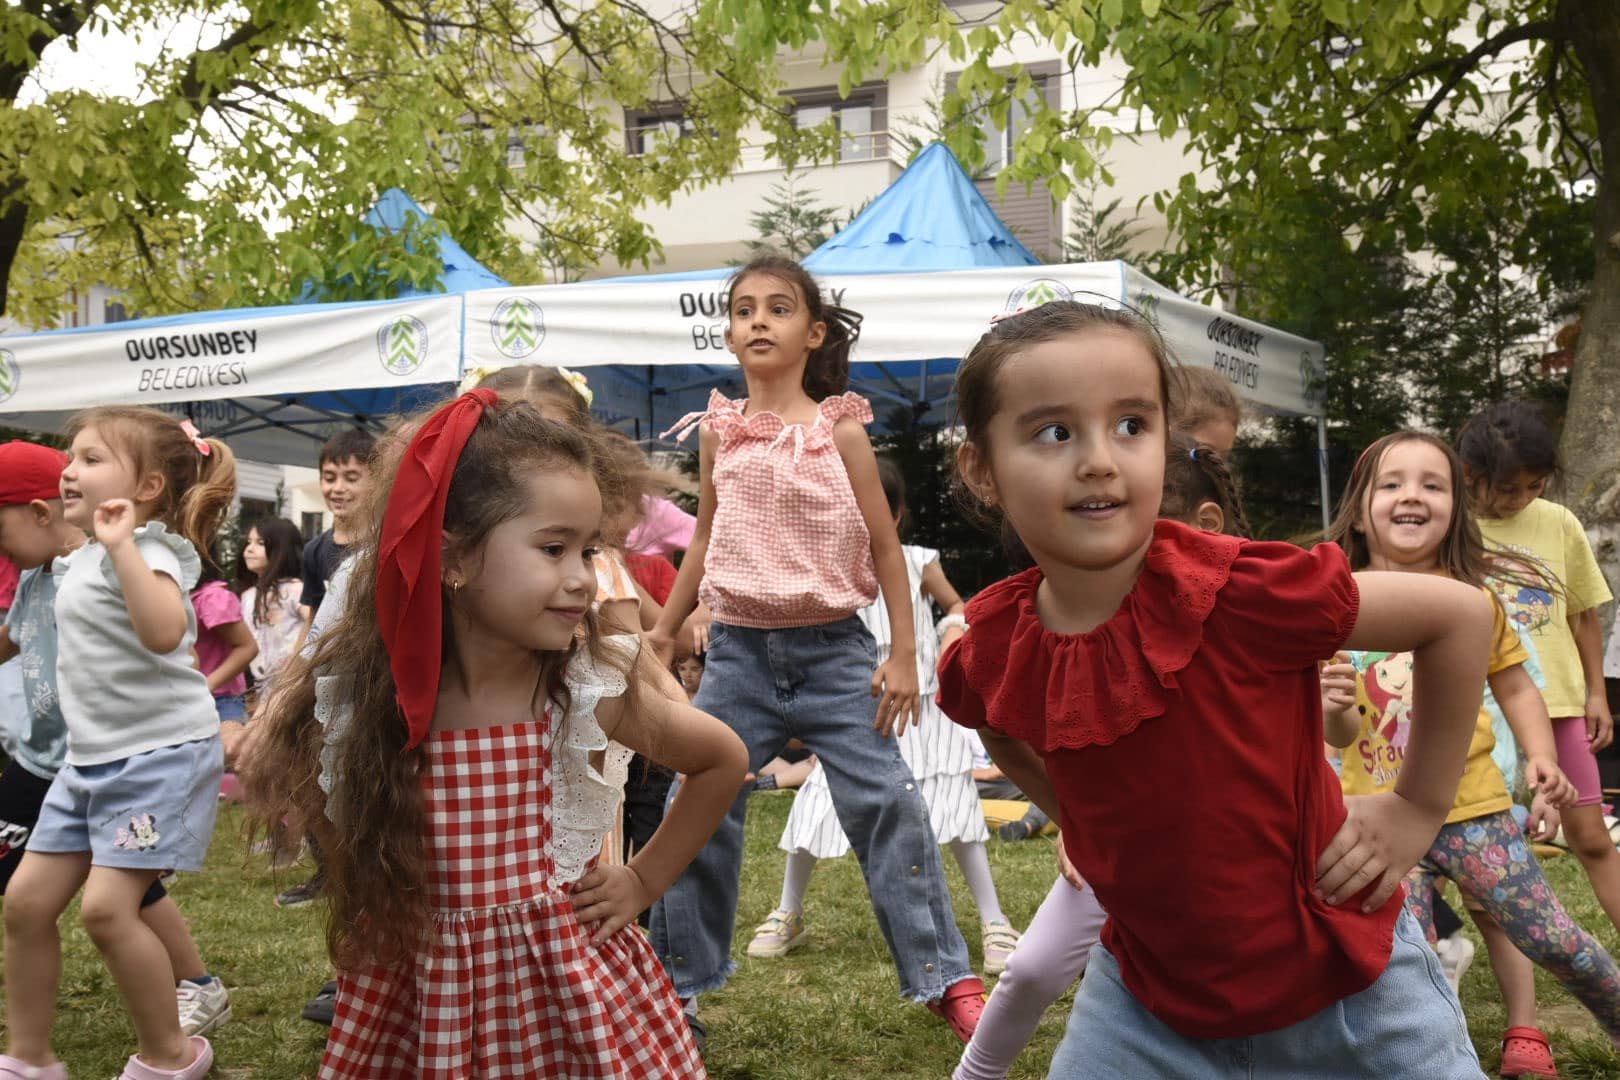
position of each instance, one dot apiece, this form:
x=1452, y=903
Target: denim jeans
x=814, y=683
x=1406, y=1024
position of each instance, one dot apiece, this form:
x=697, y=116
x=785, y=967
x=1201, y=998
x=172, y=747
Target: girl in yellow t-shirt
x=1404, y=511
x=1509, y=454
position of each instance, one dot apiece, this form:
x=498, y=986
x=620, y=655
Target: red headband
x=410, y=600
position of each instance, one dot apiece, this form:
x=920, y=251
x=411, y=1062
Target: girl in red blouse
x=1155, y=689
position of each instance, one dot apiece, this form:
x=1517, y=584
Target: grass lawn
x=830, y=1009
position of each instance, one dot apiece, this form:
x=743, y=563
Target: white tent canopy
x=339, y=360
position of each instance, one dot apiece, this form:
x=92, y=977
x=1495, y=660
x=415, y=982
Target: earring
x=455, y=588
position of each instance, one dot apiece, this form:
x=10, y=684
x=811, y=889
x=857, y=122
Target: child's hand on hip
x=1383, y=837
x=608, y=898
x=894, y=683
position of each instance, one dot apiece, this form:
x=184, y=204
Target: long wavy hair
x=373, y=824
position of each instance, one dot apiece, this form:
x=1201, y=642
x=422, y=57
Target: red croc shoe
x=1525, y=1053
x=961, y=1005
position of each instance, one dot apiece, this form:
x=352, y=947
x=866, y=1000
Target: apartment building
x=709, y=227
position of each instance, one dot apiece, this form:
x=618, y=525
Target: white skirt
x=941, y=758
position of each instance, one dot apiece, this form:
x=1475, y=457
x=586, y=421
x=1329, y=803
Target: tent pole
x=1322, y=469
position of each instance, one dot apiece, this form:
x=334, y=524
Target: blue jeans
x=1406, y=1024
x=814, y=683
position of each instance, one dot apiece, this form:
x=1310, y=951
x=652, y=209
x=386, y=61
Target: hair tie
x=410, y=600
x=1005, y=315
x=577, y=381
x=473, y=377
x=196, y=438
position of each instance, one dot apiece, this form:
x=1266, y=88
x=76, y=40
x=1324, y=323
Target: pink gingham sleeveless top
x=788, y=546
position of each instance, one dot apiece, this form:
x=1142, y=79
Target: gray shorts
x=153, y=811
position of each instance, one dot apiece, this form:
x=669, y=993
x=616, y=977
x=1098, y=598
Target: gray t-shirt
x=118, y=697
x=42, y=736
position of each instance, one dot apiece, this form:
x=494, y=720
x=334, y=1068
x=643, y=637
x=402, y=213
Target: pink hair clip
x=1009, y=314
x=196, y=438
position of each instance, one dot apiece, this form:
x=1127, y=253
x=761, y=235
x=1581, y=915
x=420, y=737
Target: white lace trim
x=585, y=800
x=184, y=552
x=334, y=711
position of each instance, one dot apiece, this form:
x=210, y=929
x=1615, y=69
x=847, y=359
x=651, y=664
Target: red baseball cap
x=29, y=471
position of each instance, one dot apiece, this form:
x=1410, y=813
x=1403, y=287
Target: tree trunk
x=1591, y=441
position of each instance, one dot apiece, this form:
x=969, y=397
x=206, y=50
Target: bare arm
x=896, y=677
x=157, y=607
x=1589, y=643
x=713, y=761
x=8, y=648
x=243, y=649
x=938, y=588
x=683, y=594
x=1340, y=720
x=1526, y=713
x=1024, y=767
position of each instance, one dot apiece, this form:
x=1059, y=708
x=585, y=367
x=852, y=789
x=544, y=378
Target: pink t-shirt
x=216, y=605
x=788, y=546
x=8, y=582
x=665, y=528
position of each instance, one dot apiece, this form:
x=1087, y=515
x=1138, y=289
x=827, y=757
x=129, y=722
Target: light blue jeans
x=1406, y=1024
x=814, y=683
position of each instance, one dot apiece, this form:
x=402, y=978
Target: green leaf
x=1150, y=8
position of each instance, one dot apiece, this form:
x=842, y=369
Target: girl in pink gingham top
x=793, y=538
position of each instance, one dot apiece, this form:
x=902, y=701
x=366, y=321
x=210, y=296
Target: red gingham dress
x=512, y=988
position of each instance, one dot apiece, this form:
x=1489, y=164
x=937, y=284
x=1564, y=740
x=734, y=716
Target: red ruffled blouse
x=1183, y=737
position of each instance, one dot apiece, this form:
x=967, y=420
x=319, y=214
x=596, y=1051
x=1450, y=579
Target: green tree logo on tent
x=1037, y=292
x=10, y=374
x=402, y=345
x=518, y=326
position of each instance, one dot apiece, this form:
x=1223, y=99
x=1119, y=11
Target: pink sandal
x=16, y=1069
x=1526, y=1052
x=136, y=1069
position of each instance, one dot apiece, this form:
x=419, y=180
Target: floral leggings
x=1491, y=863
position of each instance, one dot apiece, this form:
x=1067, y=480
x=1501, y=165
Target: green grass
x=831, y=1009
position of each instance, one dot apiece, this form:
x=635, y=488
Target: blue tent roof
x=930, y=218
x=462, y=272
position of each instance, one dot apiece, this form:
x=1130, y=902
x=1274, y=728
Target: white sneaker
x=202, y=1007
x=1456, y=953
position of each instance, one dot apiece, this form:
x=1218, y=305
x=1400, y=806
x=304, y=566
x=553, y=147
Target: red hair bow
x=410, y=597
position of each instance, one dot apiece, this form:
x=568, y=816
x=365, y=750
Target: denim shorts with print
x=153, y=811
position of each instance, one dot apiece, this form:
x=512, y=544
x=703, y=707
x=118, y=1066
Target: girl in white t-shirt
x=272, y=554
x=136, y=796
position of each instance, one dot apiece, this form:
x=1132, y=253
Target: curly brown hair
x=372, y=825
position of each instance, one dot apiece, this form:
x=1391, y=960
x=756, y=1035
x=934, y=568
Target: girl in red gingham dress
x=474, y=724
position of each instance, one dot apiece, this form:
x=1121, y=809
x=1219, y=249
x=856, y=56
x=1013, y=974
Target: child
x=1199, y=491
x=136, y=795
x=1509, y=455
x=271, y=603
x=938, y=753
x=345, y=465
x=225, y=645
x=1155, y=688
x=1205, y=408
x=1404, y=509
x=468, y=797
x=793, y=539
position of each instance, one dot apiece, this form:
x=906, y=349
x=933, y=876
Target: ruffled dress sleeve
x=334, y=711
x=1298, y=606
x=585, y=796
x=1056, y=691
x=835, y=408
x=166, y=552
x=723, y=415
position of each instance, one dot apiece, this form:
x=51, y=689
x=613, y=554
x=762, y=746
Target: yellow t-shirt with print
x=1551, y=536
x=1384, y=698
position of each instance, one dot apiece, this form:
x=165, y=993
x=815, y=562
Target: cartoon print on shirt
x=1384, y=695
x=1529, y=608
x=142, y=834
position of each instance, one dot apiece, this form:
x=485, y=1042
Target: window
x=113, y=311
x=861, y=119
x=644, y=131
x=312, y=523
x=998, y=141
